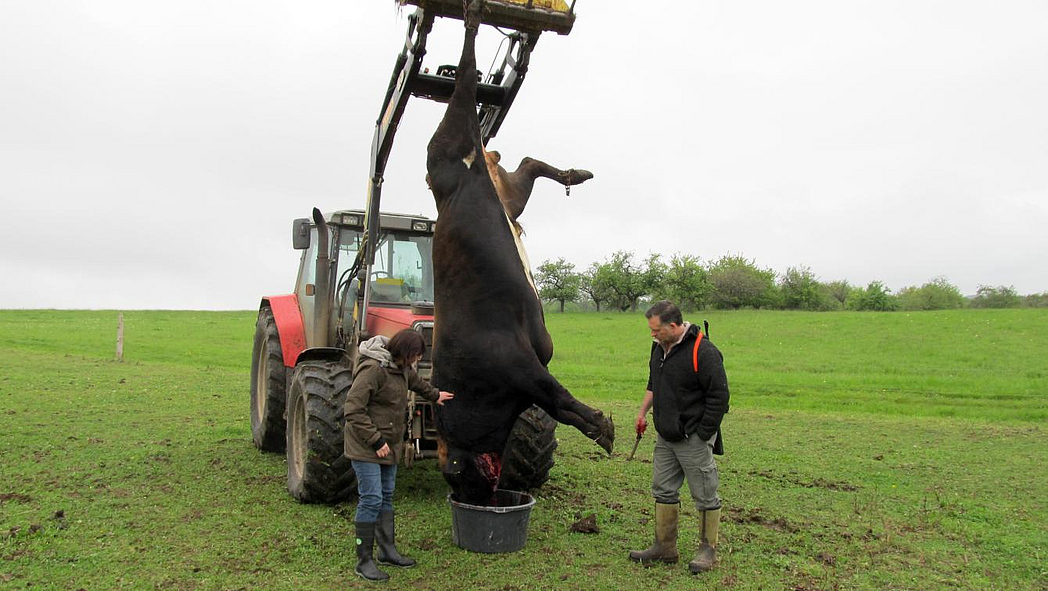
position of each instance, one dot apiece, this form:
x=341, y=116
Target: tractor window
x=403, y=270
x=307, y=275
x=349, y=242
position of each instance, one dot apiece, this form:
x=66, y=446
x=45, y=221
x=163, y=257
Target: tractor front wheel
x=268, y=385
x=528, y=456
x=317, y=470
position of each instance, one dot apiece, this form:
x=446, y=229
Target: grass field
x=901, y=451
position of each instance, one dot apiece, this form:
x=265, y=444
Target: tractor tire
x=528, y=456
x=268, y=385
x=317, y=470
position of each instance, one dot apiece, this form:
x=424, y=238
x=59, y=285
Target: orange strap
x=695, y=353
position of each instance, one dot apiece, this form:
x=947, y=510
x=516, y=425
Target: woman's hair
x=406, y=344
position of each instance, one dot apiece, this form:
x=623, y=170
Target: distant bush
x=1036, y=300
x=622, y=282
x=800, y=290
x=835, y=293
x=996, y=297
x=937, y=294
x=875, y=297
x=738, y=283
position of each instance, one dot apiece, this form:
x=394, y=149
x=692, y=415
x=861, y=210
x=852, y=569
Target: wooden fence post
x=120, y=338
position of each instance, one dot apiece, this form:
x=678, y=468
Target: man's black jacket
x=686, y=402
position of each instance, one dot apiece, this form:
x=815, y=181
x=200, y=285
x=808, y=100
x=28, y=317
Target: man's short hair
x=406, y=344
x=667, y=311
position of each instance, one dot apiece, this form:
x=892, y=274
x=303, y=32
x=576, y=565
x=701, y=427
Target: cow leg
x=530, y=169
x=514, y=188
x=457, y=139
x=565, y=408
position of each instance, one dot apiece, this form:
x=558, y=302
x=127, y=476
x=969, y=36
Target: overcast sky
x=153, y=154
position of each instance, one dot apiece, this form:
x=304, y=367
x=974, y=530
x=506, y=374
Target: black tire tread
x=268, y=432
x=328, y=475
x=528, y=456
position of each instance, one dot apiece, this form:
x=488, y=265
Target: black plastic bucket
x=502, y=527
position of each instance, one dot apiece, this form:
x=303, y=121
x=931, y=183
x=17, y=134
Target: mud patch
x=586, y=525
x=192, y=516
x=60, y=518
x=264, y=480
x=345, y=512
x=595, y=569
x=426, y=544
x=755, y=517
x=17, y=497
x=816, y=483
x=826, y=558
x=554, y=492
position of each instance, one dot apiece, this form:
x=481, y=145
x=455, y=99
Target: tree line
x=621, y=282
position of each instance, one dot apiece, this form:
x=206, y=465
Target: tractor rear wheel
x=268, y=385
x=528, y=456
x=317, y=470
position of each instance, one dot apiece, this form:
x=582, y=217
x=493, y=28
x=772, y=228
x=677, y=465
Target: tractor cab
x=397, y=288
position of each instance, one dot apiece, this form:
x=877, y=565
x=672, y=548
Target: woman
x=376, y=414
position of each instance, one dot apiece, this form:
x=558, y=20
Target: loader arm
x=495, y=95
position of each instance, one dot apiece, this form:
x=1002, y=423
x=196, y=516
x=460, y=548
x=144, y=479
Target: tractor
x=365, y=272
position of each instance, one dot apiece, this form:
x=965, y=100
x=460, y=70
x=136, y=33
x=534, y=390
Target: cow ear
x=495, y=156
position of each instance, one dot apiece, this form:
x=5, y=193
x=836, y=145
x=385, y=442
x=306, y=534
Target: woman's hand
x=383, y=451
x=443, y=397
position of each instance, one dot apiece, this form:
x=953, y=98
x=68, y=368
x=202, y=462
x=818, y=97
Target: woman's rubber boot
x=366, y=567
x=386, y=552
x=665, y=547
x=707, y=554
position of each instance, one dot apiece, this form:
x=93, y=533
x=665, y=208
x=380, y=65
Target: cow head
x=473, y=476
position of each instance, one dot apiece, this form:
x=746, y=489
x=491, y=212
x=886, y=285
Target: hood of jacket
x=375, y=348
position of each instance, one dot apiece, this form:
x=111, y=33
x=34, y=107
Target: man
x=688, y=392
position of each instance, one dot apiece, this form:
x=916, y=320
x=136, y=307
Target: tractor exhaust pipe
x=322, y=289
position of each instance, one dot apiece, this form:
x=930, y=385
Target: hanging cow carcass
x=491, y=346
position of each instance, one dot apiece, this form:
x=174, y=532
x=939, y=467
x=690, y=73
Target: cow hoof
x=606, y=436
x=471, y=13
x=575, y=177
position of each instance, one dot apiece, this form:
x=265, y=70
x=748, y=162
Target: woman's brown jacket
x=376, y=409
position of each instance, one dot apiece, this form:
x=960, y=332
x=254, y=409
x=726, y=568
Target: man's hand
x=642, y=424
x=444, y=396
x=383, y=451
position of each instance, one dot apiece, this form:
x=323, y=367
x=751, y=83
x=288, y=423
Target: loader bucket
x=532, y=16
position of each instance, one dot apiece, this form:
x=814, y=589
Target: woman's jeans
x=375, y=484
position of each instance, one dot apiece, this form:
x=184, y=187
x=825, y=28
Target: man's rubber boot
x=386, y=552
x=707, y=554
x=365, y=542
x=665, y=547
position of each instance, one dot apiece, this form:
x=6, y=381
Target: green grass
x=987, y=365
x=864, y=450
